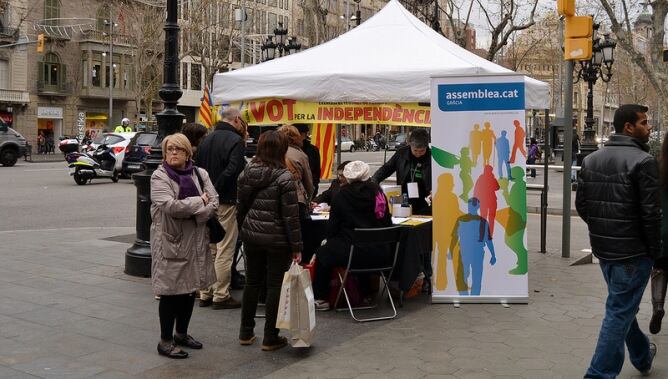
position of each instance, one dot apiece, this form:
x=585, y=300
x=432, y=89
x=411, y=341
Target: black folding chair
x=364, y=238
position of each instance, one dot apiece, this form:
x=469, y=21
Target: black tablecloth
x=414, y=249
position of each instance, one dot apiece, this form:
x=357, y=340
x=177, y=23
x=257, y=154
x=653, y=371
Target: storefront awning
x=96, y=116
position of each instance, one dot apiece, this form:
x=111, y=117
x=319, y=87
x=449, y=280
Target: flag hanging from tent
x=323, y=138
x=205, y=109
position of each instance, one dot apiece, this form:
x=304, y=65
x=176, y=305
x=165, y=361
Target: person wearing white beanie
x=359, y=204
x=356, y=171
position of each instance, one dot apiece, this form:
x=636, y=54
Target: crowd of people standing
x=266, y=205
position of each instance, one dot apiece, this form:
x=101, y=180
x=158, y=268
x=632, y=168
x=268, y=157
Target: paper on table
x=398, y=220
x=324, y=216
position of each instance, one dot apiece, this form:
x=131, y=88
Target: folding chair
x=365, y=238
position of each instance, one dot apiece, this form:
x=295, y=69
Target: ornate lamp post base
x=138, y=257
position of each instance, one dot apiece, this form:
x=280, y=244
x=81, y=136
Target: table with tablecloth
x=414, y=249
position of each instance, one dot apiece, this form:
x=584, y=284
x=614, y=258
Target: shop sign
x=81, y=124
x=49, y=112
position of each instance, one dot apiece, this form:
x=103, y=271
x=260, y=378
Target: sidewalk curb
x=551, y=211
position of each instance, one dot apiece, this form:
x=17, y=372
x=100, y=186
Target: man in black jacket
x=412, y=165
x=222, y=155
x=313, y=155
x=618, y=198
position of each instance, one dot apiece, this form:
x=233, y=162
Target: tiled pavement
x=68, y=311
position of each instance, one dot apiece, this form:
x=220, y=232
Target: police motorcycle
x=99, y=163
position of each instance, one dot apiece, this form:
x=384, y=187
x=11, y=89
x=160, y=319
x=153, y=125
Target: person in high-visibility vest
x=124, y=126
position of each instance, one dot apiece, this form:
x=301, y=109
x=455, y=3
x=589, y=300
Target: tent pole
x=387, y=141
x=338, y=145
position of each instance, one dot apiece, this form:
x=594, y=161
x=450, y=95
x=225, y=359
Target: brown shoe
x=273, y=343
x=228, y=303
x=246, y=341
x=205, y=302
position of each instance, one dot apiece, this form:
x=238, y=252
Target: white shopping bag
x=296, y=311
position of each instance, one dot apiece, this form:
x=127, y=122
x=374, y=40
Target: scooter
x=371, y=145
x=85, y=167
x=68, y=145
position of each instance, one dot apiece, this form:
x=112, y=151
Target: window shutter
x=63, y=76
x=40, y=71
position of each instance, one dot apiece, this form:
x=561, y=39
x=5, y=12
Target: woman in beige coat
x=181, y=261
x=299, y=166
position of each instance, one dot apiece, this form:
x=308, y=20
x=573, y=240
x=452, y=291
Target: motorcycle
x=85, y=167
x=68, y=145
x=371, y=145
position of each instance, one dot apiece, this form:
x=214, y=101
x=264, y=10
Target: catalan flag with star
x=206, y=109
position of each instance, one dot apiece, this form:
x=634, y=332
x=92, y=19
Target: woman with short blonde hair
x=178, y=140
x=182, y=200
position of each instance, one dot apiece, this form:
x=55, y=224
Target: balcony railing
x=103, y=93
x=101, y=37
x=8, y=32
x=59, y=89
x=14, y=96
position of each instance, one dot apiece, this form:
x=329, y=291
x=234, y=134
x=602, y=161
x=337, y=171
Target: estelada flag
x=205, y=109
x=323, y=138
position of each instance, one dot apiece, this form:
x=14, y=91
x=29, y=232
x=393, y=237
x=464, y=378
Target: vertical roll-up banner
x=479, y=189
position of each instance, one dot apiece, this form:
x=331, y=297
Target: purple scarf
x=184, y=178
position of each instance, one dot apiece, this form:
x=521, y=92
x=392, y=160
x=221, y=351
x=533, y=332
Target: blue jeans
x=626, y=280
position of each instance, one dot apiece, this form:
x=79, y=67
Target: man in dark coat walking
x=222, y=155
x=618, y=198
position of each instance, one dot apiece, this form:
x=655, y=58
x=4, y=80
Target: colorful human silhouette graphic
x=472, y=234
x=446, y=212
x=502, y=153
x=514, y=218
x=488, y=139
x=485, y=191
x=519, y=143
x=475, y=141
x=465, y=165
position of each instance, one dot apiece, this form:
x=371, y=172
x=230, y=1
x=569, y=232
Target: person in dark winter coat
x=618, y=198
x=268, y=213
x=359, y=204
x=328, y=195
x=222, y=155
x=313, y=155
x=659, y=279
x=412, y=164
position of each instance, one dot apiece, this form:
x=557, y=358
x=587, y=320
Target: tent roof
x=389, y=58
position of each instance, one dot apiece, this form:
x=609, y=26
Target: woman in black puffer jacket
x=268, y=213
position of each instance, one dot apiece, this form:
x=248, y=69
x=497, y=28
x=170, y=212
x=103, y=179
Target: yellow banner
x=286, y=111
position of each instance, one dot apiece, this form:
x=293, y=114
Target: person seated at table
x=334, y=188
x=360, y=203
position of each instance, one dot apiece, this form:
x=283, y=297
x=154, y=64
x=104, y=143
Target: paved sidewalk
x=68, y=311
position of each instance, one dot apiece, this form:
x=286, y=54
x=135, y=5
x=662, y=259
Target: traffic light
x=40, y=43
x=566, y=7
x=577, y=38
x=577, y=32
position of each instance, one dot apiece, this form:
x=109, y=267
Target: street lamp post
x=138, y=257
x=279, y=45
x=599, y=66
x=111, y=24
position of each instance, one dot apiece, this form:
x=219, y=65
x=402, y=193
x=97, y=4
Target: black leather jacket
x=222, y=155
x=618, y=198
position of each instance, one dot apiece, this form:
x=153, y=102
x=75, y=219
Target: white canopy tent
x=389, y=58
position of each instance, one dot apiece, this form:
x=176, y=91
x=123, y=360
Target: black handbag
x=216, y=230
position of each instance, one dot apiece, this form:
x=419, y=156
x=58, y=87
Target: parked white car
x=346, y=144
x=117, y=141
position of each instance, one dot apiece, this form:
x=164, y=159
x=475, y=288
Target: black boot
x=658, y=298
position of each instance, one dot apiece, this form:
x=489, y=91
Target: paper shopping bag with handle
x=303, y=311
x=284, y=318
